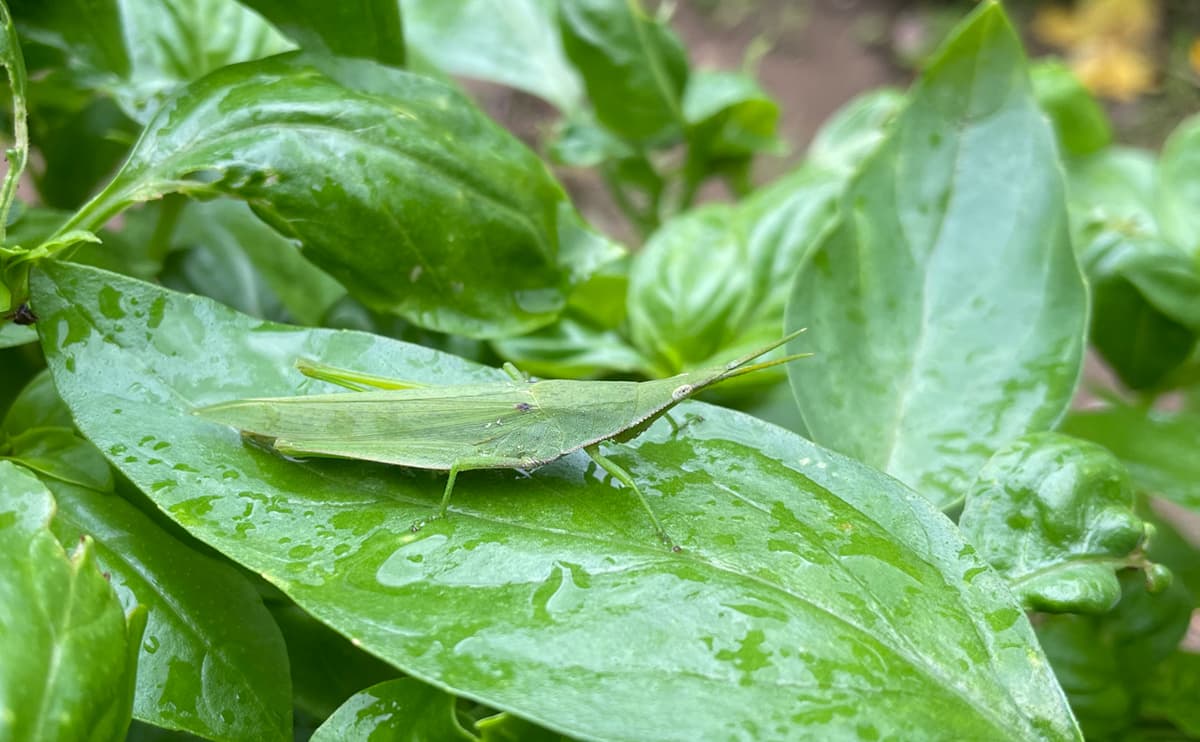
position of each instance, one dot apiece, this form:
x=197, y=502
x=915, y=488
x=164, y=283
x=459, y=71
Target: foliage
x=940, y=546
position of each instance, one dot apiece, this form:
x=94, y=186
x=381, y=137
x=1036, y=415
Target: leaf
x=497, y=256
x=12, y=335
x=505, y=727
x=402, y=709
x=947, y=306
x=140, y=51
x=15, y=155
x=1156, y=446
x=1113, y=188
x=1054, y=515
x=573, y=349
x=511, y=42
x=211, y=656
x=712, y=283
x=1104, y=662
x=327, y=669
x=633, y=67
x=1178, y=194
x=59, y=454
x=229, y=227
x=815, y=598
x=855, y=130
x=371, y=29
x=70, y=654
x=729, y=119
x=212, y=661
x=1171, y=691
x=1146, y=305
x=1080, y=122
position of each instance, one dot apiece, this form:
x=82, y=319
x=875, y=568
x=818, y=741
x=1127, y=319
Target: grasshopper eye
x=682, y=392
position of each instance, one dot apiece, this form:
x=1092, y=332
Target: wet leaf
x=926, y=367
x=350, y=28
x=814, y=597
x=633, y=66
x=498, y=255
x=1054, y=515
x=69, y=653
x=403, y=709
x=511, y=42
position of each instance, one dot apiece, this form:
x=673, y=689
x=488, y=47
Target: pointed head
x=699, y=379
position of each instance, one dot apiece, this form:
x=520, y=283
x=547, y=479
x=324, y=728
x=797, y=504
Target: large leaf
x=370, y=149
x=814, y=597
x=351, y=28
x=1054, y=515
x=12, y=334
x=512, y=42
x=633, y=66
x=69, y=654
x=947, y=307
x=402, y=709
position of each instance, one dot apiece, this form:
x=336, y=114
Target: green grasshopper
x=515, y=424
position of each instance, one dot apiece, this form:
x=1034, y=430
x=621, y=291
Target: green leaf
x=1178, y=194
x=1171, y=691
x=1080, y=122
x=225, y=226
x=497, y=256
x=12, y=335
x=855, y=130
x=573, y=348
x=729, y=120
x=15, y=156
x=1054, y=515
x=1113, y=188
x=371, y=29
x=1156, y=446
x=808, y=583
x=1105, y=662
x=403, y=709
x=633, y=67
x=212, y=662
x=327, y=669
x=59, y=454
x=1146, y=305
x=211, y=656
x=511, y=42
x=508, y=728
x=947, y=306
x=69, y=652
x=712, y=283
x=140, y=51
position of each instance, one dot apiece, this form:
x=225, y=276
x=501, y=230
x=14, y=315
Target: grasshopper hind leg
x=624, y=478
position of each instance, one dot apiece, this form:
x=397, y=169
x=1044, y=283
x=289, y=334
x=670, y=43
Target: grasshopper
x=516, y=424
